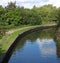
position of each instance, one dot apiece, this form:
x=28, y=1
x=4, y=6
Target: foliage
x=2, y=33
x=58, y=17
x=15, y=16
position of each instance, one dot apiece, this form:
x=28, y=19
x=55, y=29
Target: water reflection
x=57, y=39
x=37, y=47
x=47, y=47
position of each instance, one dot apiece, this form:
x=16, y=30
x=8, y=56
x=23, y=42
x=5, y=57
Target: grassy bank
x=7, y=40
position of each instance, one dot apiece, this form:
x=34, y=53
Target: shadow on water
x=1, y=54
x=57, y=39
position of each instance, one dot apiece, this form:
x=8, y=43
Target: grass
x=12, y=37
x=1, y=39
x=18, y=27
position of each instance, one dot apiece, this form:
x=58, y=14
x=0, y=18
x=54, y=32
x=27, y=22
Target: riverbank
x=13, y=35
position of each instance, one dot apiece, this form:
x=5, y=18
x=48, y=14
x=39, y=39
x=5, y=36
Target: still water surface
x=37, y=47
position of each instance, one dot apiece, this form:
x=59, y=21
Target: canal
x=37, y=47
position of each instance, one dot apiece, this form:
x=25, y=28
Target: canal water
x=37, y=47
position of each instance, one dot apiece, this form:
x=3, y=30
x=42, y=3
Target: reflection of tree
x=42, y=34
x=58, y=49
x=57, y=39
x=20, y=44
x=47, y=33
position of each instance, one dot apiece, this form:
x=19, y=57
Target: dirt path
x=8, y=34
x=12, y=31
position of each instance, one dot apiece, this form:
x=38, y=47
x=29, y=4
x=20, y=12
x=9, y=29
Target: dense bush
x=16, y=16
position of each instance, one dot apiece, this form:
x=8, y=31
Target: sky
x=31, y=3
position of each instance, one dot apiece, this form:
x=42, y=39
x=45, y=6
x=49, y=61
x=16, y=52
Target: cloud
x=54, y=2
x=31, y=3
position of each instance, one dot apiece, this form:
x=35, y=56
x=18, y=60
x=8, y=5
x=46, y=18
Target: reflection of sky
x=47, y=47
x=38, y=51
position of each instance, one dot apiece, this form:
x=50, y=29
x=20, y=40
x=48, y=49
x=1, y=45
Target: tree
x=58, y=17
x=16, y=16
x=11, y=6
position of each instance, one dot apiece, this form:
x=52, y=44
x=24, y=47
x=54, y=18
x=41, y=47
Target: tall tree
x=11, y=5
